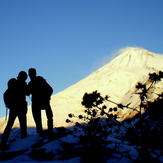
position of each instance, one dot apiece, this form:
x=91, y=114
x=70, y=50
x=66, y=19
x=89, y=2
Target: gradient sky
x=66, y=40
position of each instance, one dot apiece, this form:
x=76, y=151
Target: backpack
x=10, y=99
x=10, y=96
x=44, y=88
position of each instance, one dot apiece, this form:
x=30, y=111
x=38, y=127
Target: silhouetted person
x=15, y=100
x=41, y=92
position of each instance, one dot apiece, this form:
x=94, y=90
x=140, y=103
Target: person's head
x=12, y=83
x=32, y=73
x=22, y=76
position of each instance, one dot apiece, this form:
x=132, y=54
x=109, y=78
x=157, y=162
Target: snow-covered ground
x=25, y=150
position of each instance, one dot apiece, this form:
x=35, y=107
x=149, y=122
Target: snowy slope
x=115, y=79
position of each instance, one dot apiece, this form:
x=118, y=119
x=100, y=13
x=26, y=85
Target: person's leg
x=37, y=118
x=23, y=124
x=12, y=116
x=49, y=115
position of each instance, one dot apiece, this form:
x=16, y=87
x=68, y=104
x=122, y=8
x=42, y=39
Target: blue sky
x=66, y=40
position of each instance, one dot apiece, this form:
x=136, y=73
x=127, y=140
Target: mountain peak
x=133, y=57
x=133, y=51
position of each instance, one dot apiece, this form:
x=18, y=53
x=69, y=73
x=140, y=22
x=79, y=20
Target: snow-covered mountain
x=116, y=79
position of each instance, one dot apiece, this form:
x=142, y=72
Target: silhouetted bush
x=100, y=123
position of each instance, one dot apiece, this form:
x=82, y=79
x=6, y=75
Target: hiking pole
x=6, y=113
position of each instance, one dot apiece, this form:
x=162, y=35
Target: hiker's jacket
x=40, y=90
